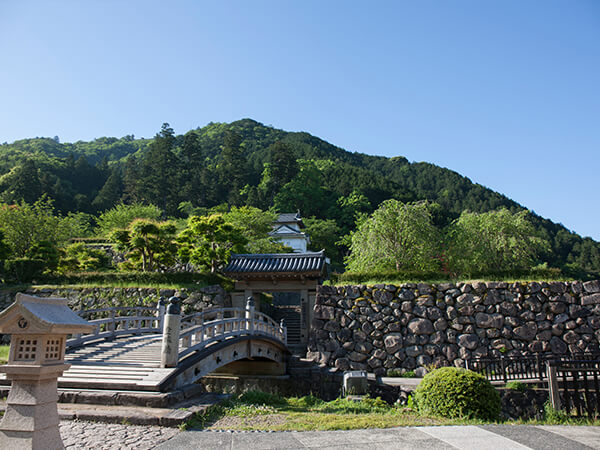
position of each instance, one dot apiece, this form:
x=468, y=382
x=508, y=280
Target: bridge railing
x=117, y=321
x=217, y=324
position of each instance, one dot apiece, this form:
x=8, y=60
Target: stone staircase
x=292, y=317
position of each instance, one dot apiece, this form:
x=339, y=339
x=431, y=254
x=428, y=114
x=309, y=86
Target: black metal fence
x=507, y=368
x=575, y=387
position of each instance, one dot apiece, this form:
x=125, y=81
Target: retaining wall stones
x=421, y=326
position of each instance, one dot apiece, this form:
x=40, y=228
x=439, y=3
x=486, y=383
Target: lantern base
x=31, y=418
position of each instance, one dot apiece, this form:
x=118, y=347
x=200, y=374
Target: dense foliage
x=245, y=163
x=457, y=393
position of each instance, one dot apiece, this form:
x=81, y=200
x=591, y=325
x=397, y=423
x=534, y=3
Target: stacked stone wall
x=421, y=326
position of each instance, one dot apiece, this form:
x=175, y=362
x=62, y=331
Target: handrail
x=115, y=325
x=197, y=332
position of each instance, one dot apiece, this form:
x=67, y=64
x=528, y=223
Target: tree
x=120, y=216
x=491, y=242
x=233, y=167
x=4, y=248
x=150, y=244
x=159, y=172
x=305, y=192
x=110, y=193
x=25, y=225
x=255, y=225
x=209, y=240
x=325, y=235
x=398, y=236
x=348, y=209
x=22, y=183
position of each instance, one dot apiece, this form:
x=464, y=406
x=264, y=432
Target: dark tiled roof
x=290, y=217
x=298, y=263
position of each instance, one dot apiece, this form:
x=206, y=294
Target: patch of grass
x=396, y=278
x=252, y=411
x=4, y=354
x=122, y=284
x=516, y=386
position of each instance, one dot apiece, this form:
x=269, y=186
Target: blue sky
x=506, y=93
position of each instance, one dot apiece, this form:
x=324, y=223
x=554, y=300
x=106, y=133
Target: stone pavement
x=93, y=435
x=90, y=435
x=496, y=437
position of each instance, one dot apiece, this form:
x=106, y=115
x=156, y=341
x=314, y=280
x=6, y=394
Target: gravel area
x=233, y=422
x=92, y=435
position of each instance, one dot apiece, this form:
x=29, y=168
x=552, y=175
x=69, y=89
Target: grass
x=120, y=284
x=398, y=281
x=257, y=410
x=4, y=354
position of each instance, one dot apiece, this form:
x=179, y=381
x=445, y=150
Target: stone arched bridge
x=126, y=350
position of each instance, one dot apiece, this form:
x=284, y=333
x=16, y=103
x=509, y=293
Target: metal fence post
x=503, y=367
x=169, y=354
x=540, y=365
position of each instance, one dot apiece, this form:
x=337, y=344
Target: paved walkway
x=496, y=437
x=93, y=435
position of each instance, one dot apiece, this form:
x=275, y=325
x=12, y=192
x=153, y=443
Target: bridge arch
x=207, y=360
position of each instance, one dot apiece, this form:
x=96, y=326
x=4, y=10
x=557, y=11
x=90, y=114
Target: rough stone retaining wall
x=420, y=326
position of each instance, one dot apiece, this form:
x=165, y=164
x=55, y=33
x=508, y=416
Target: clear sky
x=504, y=92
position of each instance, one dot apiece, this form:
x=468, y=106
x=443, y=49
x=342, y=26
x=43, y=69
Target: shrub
x=79, y=256
x=457, y=393
x=23, y=270
x=401, y=373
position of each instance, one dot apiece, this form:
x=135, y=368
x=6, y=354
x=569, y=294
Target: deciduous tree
x=398, y=236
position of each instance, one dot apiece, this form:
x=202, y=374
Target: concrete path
x=496, y=437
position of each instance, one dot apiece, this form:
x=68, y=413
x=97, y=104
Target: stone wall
x=420, y=326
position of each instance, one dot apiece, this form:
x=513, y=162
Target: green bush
x=23, y=270
x=457, y=393
x=80, y=257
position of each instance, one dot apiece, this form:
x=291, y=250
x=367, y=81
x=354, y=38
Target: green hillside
x=248, y=163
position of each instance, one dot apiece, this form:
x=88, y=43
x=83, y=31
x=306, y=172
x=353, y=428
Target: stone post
x=38, y=329
x=169, y=355
x=161, y=306
x=250, y=315
x=283, y=330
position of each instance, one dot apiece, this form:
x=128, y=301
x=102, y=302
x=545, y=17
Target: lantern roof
x=41, y=315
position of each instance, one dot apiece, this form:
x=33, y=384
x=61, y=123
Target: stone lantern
x=38, y=329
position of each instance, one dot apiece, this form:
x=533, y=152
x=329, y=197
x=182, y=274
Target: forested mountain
x=248, y=163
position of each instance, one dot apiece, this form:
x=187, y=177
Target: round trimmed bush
x=457, y=393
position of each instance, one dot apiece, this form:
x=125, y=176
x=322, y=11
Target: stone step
x=172, y=416
x=124, y=397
